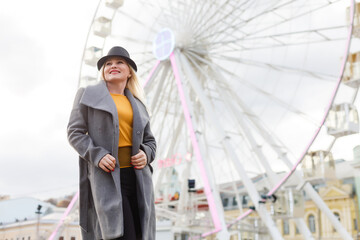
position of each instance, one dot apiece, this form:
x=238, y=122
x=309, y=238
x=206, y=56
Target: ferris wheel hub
x=163, y=44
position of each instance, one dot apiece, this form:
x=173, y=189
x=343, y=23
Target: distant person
x=109, y=127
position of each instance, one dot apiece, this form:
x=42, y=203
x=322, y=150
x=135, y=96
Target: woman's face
x=116, y=69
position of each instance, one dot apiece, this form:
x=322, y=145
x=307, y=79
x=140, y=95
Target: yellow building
x=339, y=194
x=342, y=202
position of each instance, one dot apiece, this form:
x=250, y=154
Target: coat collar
x=97, y=96
x=139, y=123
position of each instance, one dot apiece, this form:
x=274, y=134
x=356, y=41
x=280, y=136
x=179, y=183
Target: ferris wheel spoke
x=137, y=21
x=247, y=182
x=241, y=134
x=163, y=138
x=285, y=105
x=160, y=85
x=173, y=120
x=321, y=76
x=288, y=19
x=271, y=9
x=315, y=197
x=164, y=85
x=151, y=74
x=235, y=25
x=205, y=23
x=191, y=16
x=210, y=26
x=280, y=102
x=243, y=129
x=283, y=42
x=269, y=136
x=168, y=150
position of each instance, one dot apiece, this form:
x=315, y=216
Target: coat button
x=138, y=132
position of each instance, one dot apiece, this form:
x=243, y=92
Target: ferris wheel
x=238, y=91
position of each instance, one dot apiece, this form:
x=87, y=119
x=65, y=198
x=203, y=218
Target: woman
x=109, y=127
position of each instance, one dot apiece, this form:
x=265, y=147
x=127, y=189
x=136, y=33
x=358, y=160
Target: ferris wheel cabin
x=342, y=120
x=91, y=56
x=356, y=29
x=289, y=204
x=351, y=75
x=102, y=27
x=115, y=4
x=318, y=166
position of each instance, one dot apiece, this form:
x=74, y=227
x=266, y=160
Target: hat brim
x=102, y=60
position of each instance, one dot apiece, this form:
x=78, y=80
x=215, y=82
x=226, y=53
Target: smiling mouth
x=111, y=72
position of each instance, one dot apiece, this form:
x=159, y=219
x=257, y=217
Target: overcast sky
x=41, y=45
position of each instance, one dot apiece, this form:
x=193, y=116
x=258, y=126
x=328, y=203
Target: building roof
x=343, y=170
x=18, y=209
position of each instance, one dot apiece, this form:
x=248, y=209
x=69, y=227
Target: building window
x=286, y=230
x=61, y=238
x=296, y=230
x=355, y=224
x=234, y=201
x=244, y=201
x=73, y=238
x=225, y=202
x=311, y=223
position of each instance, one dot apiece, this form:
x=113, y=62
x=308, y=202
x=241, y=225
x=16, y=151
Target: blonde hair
x=132, y=84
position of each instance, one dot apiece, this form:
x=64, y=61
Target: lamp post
x=191, y=190
x=38, y=221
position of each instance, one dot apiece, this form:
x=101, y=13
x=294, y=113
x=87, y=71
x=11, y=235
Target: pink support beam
x=66, y=213
x=151, y=73
x=200, y=161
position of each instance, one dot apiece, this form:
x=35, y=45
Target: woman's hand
x=107, y=163
x=139, y=160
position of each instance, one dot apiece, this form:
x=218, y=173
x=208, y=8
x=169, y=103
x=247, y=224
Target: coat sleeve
x=149, y=144
x=77, y=132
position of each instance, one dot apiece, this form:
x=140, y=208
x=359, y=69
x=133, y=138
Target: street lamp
x=38, y=221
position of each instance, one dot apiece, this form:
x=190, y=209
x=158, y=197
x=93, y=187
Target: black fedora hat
x=117, y=52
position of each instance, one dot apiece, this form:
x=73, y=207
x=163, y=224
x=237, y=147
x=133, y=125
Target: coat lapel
x=138, y=127
x=98, y=97
x=138, y=124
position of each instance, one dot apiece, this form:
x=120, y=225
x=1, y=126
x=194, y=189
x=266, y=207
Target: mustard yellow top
x=125, y=114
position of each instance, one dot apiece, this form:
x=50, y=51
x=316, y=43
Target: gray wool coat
x=93, y=131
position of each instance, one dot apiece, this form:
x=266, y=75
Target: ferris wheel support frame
x=254, y=195
x=214, y=201
x=300, y=223
x=152, y=74
x=308, y=188
x=170, y=147
x=319, y=202
x=159, y=87
x=251, y=140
